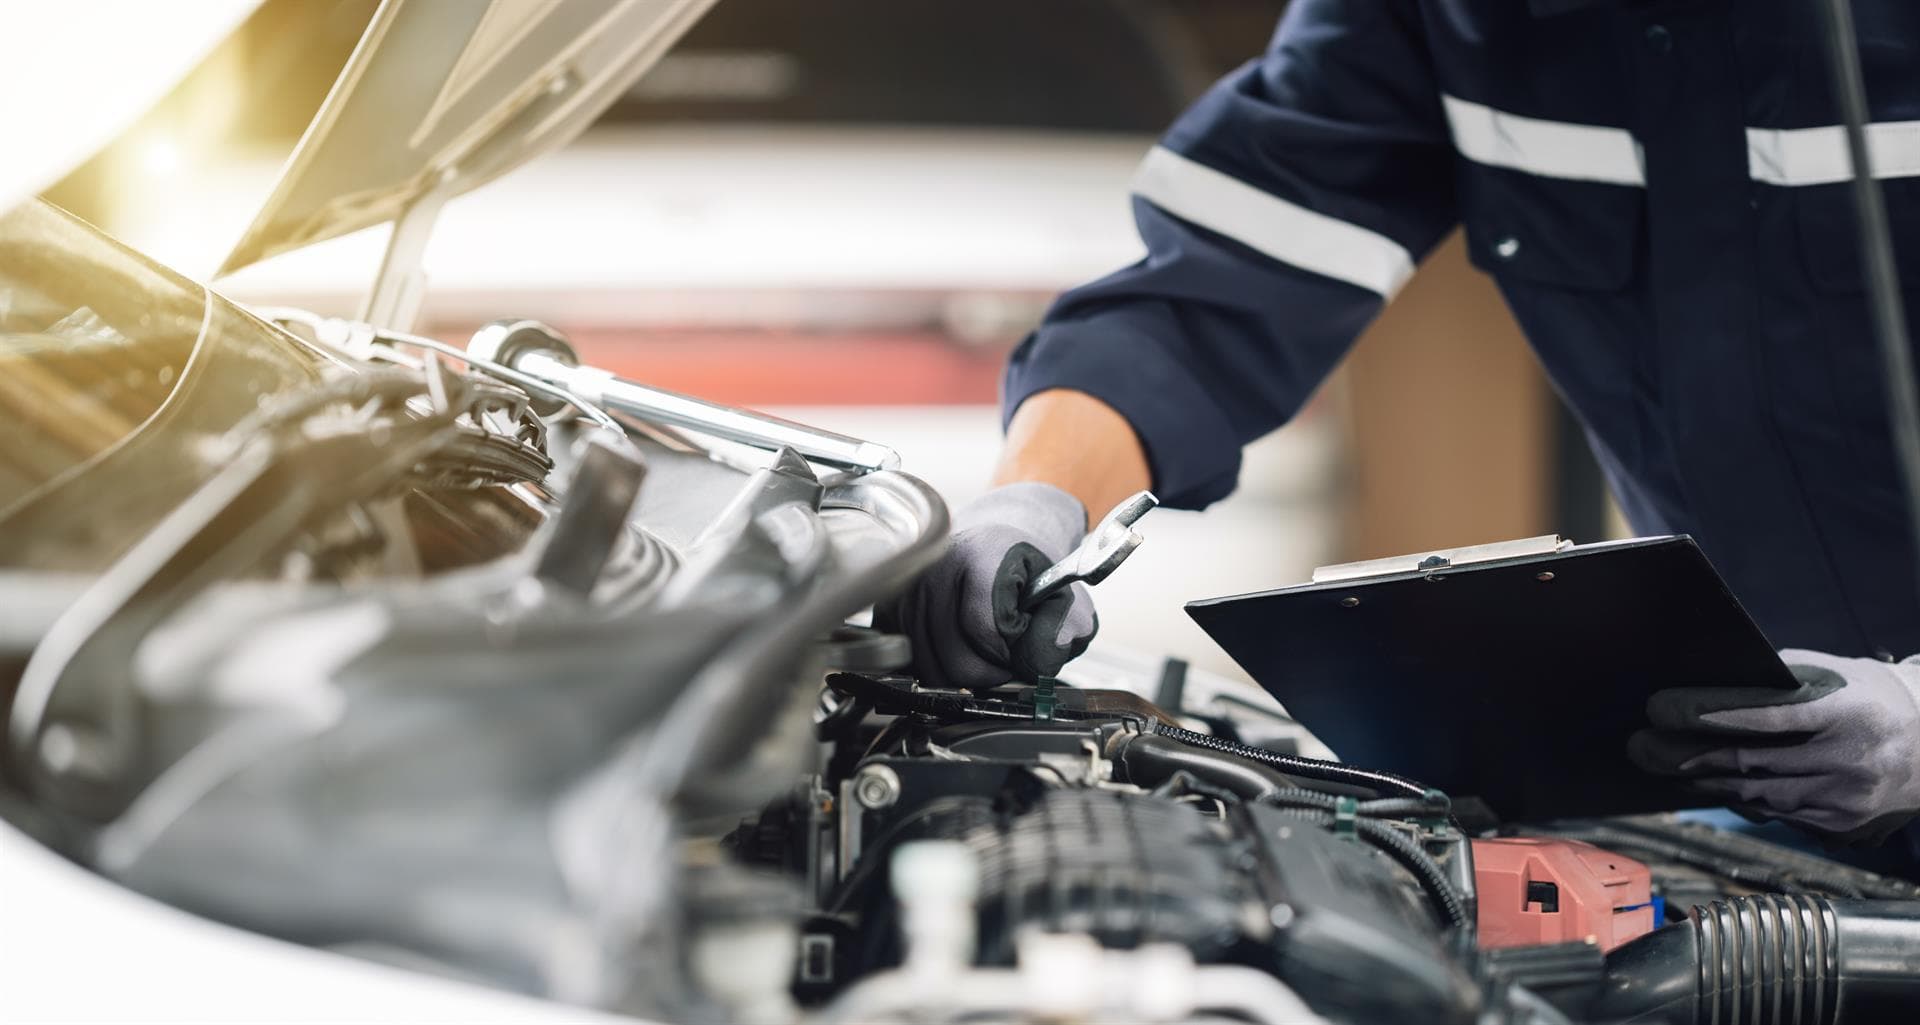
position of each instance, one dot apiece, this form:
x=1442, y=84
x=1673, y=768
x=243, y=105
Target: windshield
x=114, y=373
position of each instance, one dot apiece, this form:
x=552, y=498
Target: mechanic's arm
x=1077, y=443
x=1279, y=214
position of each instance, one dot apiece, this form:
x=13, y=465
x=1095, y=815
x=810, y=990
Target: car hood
x=440, y=98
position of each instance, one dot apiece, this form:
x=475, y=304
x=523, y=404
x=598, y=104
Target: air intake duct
x=1771, y=960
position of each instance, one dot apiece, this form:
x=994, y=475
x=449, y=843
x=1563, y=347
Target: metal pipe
x=606, y=389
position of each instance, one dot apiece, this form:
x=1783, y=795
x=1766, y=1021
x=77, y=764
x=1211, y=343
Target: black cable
x=1312, y=800
x=1432, y=877
x=1384, y=808
x=897, y=700
x=1398, y=846
x=1305, y=768
x=1434, y=806
x=1876, y=251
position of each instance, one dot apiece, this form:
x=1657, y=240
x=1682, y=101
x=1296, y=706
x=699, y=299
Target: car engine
x=962, y=855
x=363, y=641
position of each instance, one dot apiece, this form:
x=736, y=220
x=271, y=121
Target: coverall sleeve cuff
x=1192, y=451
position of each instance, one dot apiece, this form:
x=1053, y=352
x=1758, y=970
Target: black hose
x=1147, y=760
x=1433, y=878
x=1398, y=846
x=1769, y=958
x=1886, y=304
x=1304, y=768
x=1435, y=806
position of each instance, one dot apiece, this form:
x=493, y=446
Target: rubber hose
x=1149, y=761
x=1771, y=959
x=1303, y=768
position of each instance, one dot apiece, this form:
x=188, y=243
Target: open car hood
x=442, y=97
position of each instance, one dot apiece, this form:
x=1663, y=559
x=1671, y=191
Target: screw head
x=876, y=787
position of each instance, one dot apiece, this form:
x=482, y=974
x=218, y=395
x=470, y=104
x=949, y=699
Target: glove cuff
x=1054, y=520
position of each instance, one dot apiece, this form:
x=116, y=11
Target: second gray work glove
x=1840, y=754
x=963, y=616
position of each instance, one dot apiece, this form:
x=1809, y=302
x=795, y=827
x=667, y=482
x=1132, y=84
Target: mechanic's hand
x=1840, y=755
x=963, y=615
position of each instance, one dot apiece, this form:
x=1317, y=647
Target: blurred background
x=847, y=212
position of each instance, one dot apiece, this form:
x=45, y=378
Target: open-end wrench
x=1101, y=552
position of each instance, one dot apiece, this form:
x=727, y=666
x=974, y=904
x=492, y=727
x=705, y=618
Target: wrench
x=1105, y=547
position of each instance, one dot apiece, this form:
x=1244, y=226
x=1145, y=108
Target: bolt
x=876, y=787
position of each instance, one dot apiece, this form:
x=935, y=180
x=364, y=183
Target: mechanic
x=1659, y=189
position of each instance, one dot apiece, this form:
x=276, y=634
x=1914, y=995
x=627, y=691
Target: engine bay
x=362, y=641
x=1190, y=871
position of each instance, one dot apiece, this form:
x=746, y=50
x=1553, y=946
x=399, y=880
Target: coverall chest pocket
x=1830, y=234
x=1575, y=235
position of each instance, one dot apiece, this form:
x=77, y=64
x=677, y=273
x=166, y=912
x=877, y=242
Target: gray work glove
x=963, y=615
x=1839, y=755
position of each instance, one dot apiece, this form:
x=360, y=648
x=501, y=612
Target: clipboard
x=1513, y=672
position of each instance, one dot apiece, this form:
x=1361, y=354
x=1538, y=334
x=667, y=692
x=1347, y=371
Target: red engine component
x=1537, y=890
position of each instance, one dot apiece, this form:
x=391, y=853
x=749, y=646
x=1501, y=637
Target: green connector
x=1043, y=698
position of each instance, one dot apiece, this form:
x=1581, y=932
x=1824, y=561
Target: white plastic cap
x=935, y=871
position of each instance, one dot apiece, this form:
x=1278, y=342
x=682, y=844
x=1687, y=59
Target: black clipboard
x=1516, y=680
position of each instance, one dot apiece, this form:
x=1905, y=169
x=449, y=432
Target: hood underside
x=442, y=96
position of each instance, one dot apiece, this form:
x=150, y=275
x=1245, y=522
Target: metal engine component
x=876, y=787
x=1123, y=869
x=539, y=351
x=1114, y=840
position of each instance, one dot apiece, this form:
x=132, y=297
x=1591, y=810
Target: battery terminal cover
x=1537, y=891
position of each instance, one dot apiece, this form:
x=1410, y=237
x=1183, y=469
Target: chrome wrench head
x=1101, y=552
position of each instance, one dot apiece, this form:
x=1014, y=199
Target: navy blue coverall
x=1659, y=190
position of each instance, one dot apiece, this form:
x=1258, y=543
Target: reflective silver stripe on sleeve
x=1818, y=156
x=1286, y=231
x=1549, y=149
